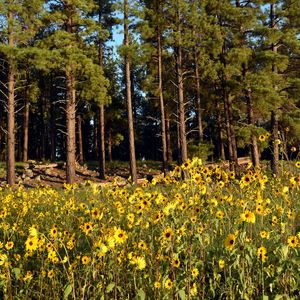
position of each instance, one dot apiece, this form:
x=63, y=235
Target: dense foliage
x=205, y=76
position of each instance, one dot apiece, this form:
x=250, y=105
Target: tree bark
x=109, y=146
x=71, y=126
x=133, y=170
x=230, y=132
x=253, y=145
x=102, y=143
x=168, y=136
x=26, y=122
x=275, y=145
x=274, y=116
x=221, y=149
x=181, y=108
x=53, y=132
x=198, y=98
x=10, y=159
x=96, y=137
x=101, y=110
x=161, y=101
x=80, y=145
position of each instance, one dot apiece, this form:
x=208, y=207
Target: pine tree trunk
x=181, y=108
x=220, y=133
x=230, y=132
x=26, y=123
x=232, y=135
x=168, y=136
x=275, y=145
x=254, y=145
x=109, y=146
x=96, y=138
x=101, y=110
x=53, y=132
x=102, y=143
x=80, y=145
x=274, y=116
x=25, y=129
x=10, y=159
x=71, y=127
x=161, y=101
x=227, y=123
x=133, y=170
x=198, y=98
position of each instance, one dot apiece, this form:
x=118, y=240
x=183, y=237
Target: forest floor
x=32, y=173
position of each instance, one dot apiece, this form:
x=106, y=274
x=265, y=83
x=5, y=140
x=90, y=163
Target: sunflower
x=120, y=236
x=262, y=138
x=176, y=262
x=168, y=234
x=230, y=241
x=259, y=209
x=246, y=179
x=194, y=289
x=264, y=234
x=157, y=285
x=87, y=227
x=219, y=214
x=248, y=216
x=53, y=232
x=221, y=263
x=262, y=253
x=85, y=260
x=195, y=272
x=130, y=218
x=9, y=245
x=95, y=213
x=140, y=262
x=293, y=241
x=3, y=259
x=51, y=274
x=168, y=284
x=274, y=220
x=142, y=245
x=31, y=243
x=297, y=164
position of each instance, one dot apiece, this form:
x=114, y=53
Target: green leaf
x=265, y=297
x=68, y=291
x=284, y=250
x=16, y=272
x=182, y=294
x=141, y=294
x=110, y=287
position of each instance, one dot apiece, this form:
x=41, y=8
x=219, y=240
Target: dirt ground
x=34, y=174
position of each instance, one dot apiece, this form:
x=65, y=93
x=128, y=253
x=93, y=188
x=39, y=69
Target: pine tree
x=81, y=73
x=16, y=16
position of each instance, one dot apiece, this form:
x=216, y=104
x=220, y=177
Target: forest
x=196, y=102
x=213, y=79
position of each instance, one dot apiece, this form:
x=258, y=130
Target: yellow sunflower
x=168, y=284
x=262, y=253
x=120, y=236
x=230, y=241
x=293, y=241
x=31, y=243
x=168, y=234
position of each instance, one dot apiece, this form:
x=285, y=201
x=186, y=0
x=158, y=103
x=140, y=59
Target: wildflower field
x=210, y=236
